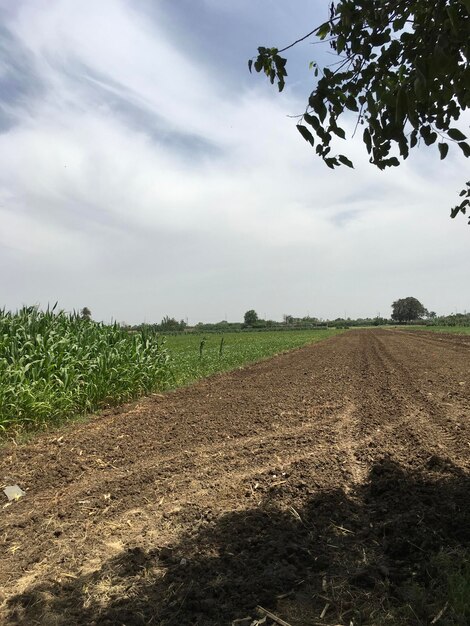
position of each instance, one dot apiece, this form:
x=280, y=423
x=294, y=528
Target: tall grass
x=55, y=365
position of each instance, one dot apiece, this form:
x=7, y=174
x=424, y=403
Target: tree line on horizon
x=404, y=311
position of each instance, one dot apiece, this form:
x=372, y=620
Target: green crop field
x=55, y=366
x=457, y=330
x=194, y=356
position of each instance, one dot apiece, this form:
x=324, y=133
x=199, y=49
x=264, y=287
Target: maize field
x=57, y=365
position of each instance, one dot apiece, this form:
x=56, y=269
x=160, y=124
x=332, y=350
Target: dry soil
x=316, y=483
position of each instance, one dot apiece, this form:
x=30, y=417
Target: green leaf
x=378, y=39
x=280, y=63
x=250, y=64
x=428, y=135
x=312, y=120
x=454, y=133
x=323, y=30
x=351, y=103
x=340, y=44
x=367, y=139
x=465, y=148
x=443, y=149
x=404, y=149
x=345, y=161
x=399, y=23
x=339, y=131
x=306, y=134
x=462, y=207
x=401, y=106
x=420, y=86
x=331, y=162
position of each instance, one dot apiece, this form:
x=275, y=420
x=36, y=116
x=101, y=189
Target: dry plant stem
x=275, y=618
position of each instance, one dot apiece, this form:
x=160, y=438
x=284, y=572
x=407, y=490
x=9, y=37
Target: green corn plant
x=54, y=365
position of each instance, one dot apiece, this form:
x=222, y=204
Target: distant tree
x=85, y=313
x=309, y=320
x=379, y=321
x=170, y=324
x=251, y=317
x=432, y=315
x=288, y=319
x=456, y=319
x=407, y=310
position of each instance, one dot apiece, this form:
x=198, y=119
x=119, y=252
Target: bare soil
x=323, y=481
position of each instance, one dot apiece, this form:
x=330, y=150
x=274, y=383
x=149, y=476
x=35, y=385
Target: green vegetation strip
x=55, y=366
x=456, y=330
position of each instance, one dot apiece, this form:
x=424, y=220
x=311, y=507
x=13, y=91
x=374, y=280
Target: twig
x=440, y=614
x=308, y=35
x=295, y=514
x=322, y=624
x=275, y=618
x=415, y=546
x=346, y=530
x=299, y=40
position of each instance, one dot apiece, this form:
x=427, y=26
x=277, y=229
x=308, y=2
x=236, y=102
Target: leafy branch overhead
x=402, y=69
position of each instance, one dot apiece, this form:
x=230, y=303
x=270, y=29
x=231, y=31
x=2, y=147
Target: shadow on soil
x=393, y=552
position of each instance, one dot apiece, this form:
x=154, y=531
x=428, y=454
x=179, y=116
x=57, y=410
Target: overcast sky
x=144, y=172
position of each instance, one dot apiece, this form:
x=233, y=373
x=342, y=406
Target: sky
x=144, y=172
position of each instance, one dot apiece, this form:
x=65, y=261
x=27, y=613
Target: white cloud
x=218, y=207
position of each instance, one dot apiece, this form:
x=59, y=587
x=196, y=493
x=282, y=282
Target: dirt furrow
x=460, y=343
x=193, y=507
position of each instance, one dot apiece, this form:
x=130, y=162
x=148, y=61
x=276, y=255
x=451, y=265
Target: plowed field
x=321, y=484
